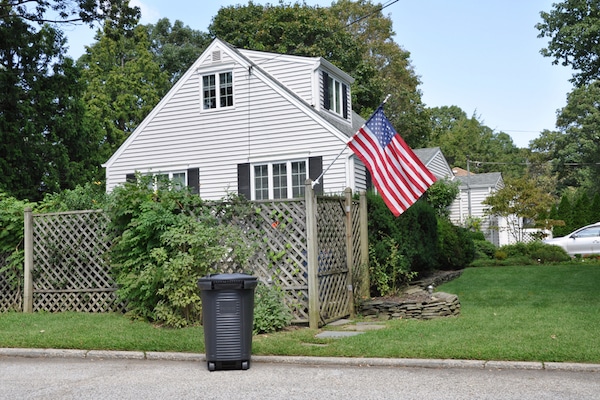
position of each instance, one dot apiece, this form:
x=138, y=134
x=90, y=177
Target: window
x=335, y=95
x=163, y=180
x=278, y=180
x=217, y=90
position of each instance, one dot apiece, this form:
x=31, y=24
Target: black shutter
x=315, y=168
x=244, y=180
x=345, y=100
x=326, y=104
x=130, y=178
x=193, y=180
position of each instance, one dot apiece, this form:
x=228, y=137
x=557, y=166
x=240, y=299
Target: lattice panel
x=11, y=297
x=69, y=268
x=333, y=268
x=80, y=300
x=278, y=230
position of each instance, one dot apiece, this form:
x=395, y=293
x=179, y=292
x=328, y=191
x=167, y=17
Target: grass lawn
x=533, y=313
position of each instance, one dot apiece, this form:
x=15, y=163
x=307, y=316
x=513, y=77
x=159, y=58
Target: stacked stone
x=438, y=305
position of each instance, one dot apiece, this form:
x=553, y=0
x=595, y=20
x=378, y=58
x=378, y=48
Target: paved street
x=94, y=378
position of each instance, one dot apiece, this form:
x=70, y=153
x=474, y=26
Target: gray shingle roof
x=490, y=179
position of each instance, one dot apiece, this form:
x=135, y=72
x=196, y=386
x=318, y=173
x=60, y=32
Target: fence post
x=28, y=244
x=365, y=289
x=349, y=251
x=313, y=257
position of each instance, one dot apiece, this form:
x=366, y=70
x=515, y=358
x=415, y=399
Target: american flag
x=398, y=174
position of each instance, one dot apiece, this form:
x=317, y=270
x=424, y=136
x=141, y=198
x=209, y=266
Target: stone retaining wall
x=438, y=305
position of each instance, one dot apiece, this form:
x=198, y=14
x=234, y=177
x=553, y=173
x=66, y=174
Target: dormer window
x=217, y=90
x=335, y=95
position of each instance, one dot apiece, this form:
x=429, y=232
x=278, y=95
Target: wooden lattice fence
x=69, y=270
x=11, y=294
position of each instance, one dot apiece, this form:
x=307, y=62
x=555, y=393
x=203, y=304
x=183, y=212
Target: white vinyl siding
x=264, y=122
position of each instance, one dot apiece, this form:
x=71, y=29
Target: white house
x=474, y=189
x=434, y=160
x=250, y=122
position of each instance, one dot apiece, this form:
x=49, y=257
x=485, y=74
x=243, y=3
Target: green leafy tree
x=175, y=47
x=124, y=83
x=461, y=138
x=520, y=197
x=54, y=11
x=573, y=27
x=46, y=140
x=577, y=149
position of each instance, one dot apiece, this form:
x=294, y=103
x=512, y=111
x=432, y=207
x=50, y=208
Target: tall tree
x=385, y=68
x=573, y=27
x=123, y=81
x=176, y=47
x=45, y=143
x=461, y=138
x=577, y=149
x=54, y=11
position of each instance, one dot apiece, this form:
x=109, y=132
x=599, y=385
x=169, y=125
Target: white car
x=583, y=241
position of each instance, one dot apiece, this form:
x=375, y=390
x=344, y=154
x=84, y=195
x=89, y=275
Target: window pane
x=280, y=181
x=338, y=97
x=261, y=182
x=331, y=84
x=178, y=180
x=209, y=93
x=298, y=178
x=226, y=89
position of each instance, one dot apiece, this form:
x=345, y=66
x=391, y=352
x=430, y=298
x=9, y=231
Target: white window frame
x=216, y=73
x=171, y=175
x=336, y=95
x=270, y=184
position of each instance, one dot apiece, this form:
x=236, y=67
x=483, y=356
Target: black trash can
x=228, y=318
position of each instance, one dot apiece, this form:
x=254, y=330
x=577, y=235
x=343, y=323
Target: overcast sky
x=480, y=55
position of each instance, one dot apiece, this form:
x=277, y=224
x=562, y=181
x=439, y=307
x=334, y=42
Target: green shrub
x=457, y=249
x=390, y=274
x=414, y=232
x=165, y=240
x=270, y=312
x=532, y=253
x=484, y=249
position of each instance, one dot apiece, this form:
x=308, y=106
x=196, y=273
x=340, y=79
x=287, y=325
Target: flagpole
x=316, y=181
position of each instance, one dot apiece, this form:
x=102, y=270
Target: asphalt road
x=125, y=378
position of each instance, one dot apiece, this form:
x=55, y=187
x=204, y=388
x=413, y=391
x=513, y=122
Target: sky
x=480, y=55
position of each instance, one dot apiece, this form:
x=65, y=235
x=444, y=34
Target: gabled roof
x=330, y=123
x=426, y=155
x=486, y=180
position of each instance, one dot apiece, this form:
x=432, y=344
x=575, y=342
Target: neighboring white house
x=474, y=189
x=434, y=160
x=250, y=122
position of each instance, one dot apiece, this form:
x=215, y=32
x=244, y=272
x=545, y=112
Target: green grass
x=533, y=313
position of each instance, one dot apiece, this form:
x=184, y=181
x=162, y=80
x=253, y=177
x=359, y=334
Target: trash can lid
x=229, y=277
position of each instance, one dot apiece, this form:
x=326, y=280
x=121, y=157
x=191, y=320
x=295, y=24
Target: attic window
x=216, y=56
x=335, y=95
x=217, y=90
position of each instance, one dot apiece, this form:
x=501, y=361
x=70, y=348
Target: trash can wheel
x=245, y=365
x=211, y=366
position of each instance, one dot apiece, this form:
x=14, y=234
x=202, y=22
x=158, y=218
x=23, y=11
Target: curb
x=309, y=361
